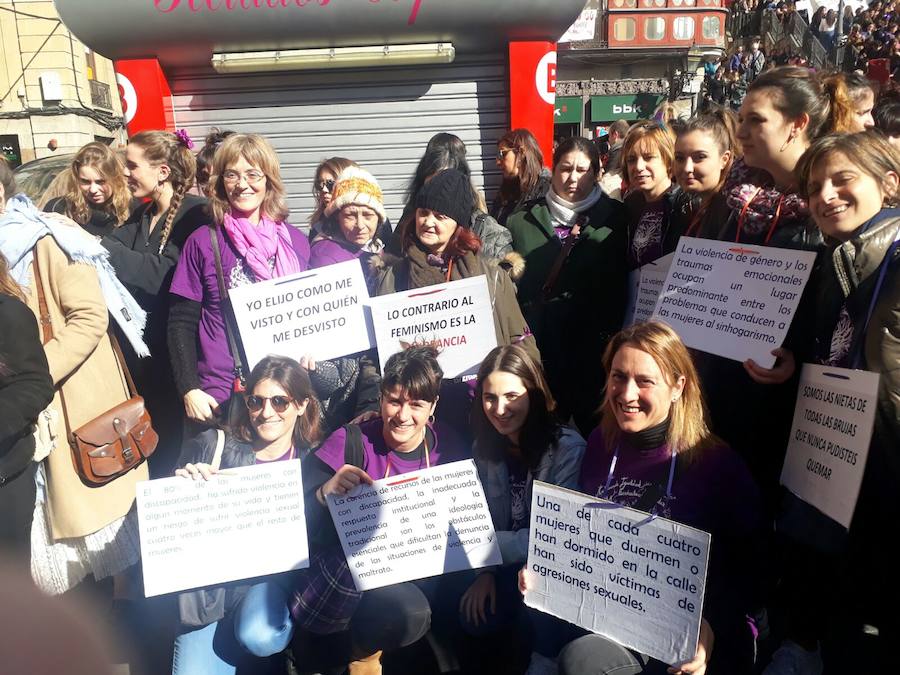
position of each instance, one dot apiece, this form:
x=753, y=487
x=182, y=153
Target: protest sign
x=416, y=525
x=456, y=317
x=199, y=533
x=614, y=571
x=319, y=312
x=733, y=300
x=830, y=436
x=644, y=286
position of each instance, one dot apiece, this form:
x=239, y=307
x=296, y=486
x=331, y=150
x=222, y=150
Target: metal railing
x=100, y=95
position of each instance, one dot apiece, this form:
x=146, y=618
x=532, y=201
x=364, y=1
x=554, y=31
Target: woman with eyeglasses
x=326, y=176
x=654, y=452
x=279, y=422
x=248, y=241
x=525, y=178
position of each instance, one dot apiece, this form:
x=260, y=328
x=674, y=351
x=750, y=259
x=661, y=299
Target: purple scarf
x=258, y=244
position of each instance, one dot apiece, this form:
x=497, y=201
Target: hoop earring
x=431, y=419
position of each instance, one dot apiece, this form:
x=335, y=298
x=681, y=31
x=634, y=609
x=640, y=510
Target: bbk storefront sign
x=628, y=107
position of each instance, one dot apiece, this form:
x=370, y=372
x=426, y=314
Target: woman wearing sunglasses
x=525, y=177
x=323, y=186
x=248, y=241
x=280, y=422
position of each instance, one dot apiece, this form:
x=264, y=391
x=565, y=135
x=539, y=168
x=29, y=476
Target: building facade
x=57, y=94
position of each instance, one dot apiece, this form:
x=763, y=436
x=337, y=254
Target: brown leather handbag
x=111, y=444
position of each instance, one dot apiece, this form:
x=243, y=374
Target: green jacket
x=586, y=305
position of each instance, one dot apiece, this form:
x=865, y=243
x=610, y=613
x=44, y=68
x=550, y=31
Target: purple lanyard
x=612, y=470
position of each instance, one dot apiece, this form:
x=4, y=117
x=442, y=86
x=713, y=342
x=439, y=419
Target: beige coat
x=81, y=358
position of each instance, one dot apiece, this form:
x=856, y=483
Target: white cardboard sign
x=319, y=312
x=644, y=286
x=243, y=523
x=830, y=436
x=733, y=300
x=416, y=525
x=614, y=571
x=456, y=317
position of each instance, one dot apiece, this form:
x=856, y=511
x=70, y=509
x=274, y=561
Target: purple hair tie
x=186, y=141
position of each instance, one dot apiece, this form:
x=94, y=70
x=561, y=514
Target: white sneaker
x=541, y=665
x=792, y=659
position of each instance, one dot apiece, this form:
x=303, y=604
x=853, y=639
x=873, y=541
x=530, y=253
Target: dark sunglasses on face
x=324, y=185
x=279, y=403
x=502, y=153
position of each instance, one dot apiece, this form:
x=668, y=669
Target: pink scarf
x=258, y=244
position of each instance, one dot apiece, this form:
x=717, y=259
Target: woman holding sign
x=654, y=452
x=348, y=386
x=279, y=422
x=247, y=241
x=573, y=289
x=518, y=440
x=851, y=182
x=402, y=440
x=649, y=156
x=705, y=149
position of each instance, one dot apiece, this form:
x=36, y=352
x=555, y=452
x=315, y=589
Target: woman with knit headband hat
x=249, y=236
x=348, y=386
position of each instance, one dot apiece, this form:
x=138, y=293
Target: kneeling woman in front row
x=654, y=452
x=281, y=422
x=403, y=439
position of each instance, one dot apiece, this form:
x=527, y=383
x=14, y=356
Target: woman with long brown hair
x=160, y=169
x=524, y=177
x=98, y=198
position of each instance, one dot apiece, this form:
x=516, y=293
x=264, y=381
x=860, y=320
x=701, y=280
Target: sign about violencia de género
x=455, y=317
x=320, y=312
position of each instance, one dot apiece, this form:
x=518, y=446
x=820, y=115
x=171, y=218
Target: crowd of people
x=138, y=257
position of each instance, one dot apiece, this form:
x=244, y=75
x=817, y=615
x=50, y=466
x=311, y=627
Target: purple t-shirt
x=447, y=448
x=195, y=279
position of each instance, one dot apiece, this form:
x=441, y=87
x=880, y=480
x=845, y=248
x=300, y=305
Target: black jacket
x=99, y=224
x=25, y=385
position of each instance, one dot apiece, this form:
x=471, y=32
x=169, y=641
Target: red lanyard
x=387, y=472
x=743, y=215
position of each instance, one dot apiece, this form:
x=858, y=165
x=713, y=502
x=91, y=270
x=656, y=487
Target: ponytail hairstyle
x=842, y=118
x=721, y=124
x=8, y=285
x=798, y=90
x=164, y=147
x=108, y=164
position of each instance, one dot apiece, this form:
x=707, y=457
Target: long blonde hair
x=109, y=165
x=8, y=285
x=688, y=433
x=164, y=147
x=258, y=152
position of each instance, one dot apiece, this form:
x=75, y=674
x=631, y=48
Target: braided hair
x=164, y=147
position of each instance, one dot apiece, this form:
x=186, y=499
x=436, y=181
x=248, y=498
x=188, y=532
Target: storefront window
x=655, y=28
x=623, y=29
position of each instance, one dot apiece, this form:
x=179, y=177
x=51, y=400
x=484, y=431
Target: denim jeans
x=262, y=623
x=211, y=650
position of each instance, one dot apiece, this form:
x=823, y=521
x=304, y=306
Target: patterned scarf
x=752, y=192
x=259, y=244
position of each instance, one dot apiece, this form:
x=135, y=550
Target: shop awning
x=624, y=107
x=188, y=32
x=568, y=110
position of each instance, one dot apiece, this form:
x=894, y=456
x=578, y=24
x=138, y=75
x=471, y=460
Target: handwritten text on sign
x=732, y=300
x=830, y=436
x=611, y=570
x=644, y=286
x=455, y=317
x=198, y=533
x=416, y=525
x=320, y=312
